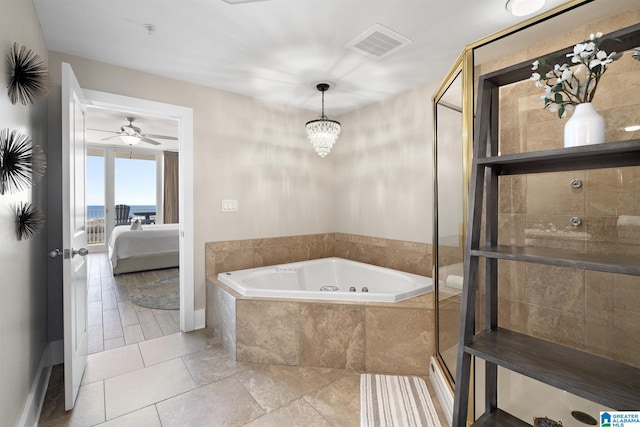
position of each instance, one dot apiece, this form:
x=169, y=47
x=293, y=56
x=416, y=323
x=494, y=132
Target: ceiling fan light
x=524, y=7
x=130, y=139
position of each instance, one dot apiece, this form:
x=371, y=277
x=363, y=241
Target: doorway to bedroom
x=141, y=154
x=131, y=202
x=129, y=189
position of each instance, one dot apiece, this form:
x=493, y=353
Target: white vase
x=585, y=127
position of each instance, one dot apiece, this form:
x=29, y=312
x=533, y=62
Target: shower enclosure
x=588, y=311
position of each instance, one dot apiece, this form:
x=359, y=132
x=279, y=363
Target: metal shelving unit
x=572, y=370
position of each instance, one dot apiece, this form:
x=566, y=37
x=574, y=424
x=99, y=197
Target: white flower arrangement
x=565, y=87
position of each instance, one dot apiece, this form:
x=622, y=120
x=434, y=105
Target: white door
x=74, y=238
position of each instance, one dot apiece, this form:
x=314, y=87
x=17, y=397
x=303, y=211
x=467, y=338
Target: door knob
x=81, y=252
x=55, y=253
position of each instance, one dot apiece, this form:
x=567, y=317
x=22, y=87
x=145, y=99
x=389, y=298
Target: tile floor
x=141, y=371
x=186, y=379
x=113, y=320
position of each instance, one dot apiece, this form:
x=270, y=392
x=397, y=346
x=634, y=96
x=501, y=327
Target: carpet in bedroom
x=162, y=294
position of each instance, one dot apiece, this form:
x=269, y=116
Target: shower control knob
x=576, y=183
x=575, y=221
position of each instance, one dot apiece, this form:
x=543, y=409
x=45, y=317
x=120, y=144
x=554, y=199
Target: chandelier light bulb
x=323, y=132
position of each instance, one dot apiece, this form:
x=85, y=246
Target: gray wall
x=23, y=264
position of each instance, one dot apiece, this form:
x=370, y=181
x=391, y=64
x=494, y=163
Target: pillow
x=136, y=225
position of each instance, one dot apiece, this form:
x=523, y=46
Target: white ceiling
x=277, y=50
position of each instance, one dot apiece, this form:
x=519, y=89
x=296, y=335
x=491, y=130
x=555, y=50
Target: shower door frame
x=463, y=67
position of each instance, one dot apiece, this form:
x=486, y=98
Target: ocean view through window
x=134, y=185
x=95, y=221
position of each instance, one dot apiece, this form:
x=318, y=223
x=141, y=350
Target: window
x=95, y=196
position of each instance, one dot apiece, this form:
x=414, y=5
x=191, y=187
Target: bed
x=153, y=247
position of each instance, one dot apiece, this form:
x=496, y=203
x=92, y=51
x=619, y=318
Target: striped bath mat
x=395, y=401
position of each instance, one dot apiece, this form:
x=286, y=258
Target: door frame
x=184, y=116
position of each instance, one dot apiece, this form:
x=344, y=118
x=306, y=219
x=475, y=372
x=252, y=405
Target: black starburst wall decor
x=22, y=164
x=29, y=221
x=27, y=74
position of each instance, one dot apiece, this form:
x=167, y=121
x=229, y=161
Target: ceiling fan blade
x=150, y=141
x=110, y=137
x=102, y=130
x=173, y=138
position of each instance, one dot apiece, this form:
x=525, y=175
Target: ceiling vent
x=378, y=42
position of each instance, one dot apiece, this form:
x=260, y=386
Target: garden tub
x=333, y=279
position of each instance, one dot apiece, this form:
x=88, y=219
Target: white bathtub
x=304, y=280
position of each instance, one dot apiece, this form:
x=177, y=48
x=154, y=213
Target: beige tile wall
x=240, y=254
x=597, y=312
x=400, y=255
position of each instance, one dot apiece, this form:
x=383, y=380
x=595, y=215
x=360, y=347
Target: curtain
x=171, y=187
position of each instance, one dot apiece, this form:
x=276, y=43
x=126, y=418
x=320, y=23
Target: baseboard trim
x=33, y=404
x=199, y=319
x=442, y=390
x=56, y=352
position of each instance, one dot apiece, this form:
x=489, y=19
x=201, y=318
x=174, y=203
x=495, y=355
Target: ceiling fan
x=131, y=134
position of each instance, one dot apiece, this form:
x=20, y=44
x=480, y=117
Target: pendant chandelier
x=323, y=132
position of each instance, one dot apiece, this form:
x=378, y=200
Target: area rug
x=391, y=400
x=162, y=294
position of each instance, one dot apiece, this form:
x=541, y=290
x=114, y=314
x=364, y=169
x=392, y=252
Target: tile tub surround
x=245, y=326
x=231, y=255
x=372, y=337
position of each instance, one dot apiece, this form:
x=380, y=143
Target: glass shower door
x=450, y=191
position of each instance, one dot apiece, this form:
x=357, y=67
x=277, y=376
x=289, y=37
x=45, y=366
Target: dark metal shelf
x=598, y=156
x=563, y=258
x=594, y=378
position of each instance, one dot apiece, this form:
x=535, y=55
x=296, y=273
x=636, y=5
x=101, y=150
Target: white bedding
x=153, y=239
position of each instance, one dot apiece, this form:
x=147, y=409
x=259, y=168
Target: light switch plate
x=229, y=206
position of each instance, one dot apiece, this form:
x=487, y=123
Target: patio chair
x=122, y=215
